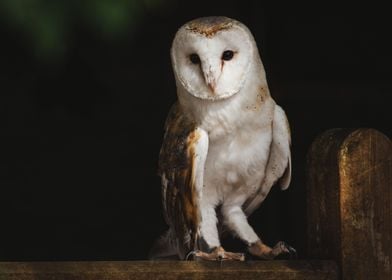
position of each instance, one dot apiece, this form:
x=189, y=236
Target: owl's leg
x=209, y=232
x=208, y=228
x=237, y=221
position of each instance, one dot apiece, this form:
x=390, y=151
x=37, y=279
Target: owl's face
x=211, y=57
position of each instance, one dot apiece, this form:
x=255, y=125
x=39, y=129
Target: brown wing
x=180, y=163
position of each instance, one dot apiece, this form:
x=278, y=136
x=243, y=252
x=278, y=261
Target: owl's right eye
x=194, y=58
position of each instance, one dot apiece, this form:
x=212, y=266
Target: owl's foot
x=219, y=254
x=259, y=249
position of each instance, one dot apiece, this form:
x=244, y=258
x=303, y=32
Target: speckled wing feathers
x=178, y=172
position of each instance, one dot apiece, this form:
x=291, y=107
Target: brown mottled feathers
x=209, y=26
x=176, y=167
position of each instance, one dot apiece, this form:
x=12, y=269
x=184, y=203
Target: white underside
x=234, y=170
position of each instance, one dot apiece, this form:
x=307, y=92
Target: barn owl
x=226, y=143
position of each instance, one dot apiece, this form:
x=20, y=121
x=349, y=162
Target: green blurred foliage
x=49, y=24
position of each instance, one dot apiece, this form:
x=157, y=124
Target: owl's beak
x=211, y=85
x=210, y=76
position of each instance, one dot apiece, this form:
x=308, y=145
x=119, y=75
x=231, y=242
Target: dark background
x=85, y=89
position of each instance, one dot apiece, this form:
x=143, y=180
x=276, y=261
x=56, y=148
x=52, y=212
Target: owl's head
x=212, y=56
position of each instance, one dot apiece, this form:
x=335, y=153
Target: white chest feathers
x=239, y=149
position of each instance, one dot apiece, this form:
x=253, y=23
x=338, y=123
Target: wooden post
x=349, y=193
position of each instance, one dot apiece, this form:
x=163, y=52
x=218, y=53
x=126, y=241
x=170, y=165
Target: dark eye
x=195, y=59
x=227, y=55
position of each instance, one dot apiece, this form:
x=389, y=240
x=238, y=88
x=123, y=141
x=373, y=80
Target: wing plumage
x=278, y=169
x=181, y=167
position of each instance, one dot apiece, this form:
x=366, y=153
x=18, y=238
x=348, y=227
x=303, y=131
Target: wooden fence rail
x=266, y=270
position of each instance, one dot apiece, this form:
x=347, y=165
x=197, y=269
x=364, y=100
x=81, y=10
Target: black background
x=80, y=137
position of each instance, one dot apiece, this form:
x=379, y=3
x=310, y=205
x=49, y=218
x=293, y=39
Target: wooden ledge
x=113, y=270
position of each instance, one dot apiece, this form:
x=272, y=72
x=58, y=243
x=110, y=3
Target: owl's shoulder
x=180, y=134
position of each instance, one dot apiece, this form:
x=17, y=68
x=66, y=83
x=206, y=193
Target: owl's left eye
x=194, y=58
x=227, y=55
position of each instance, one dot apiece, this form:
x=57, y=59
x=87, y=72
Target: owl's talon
x=292, y=252
x=282, y=248
x=219, y=254
x=190, y=254
x=259, y=249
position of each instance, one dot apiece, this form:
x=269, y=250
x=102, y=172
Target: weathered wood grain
x=266, y=270
x=350, y=202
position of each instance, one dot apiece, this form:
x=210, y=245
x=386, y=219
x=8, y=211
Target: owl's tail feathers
x=164, y=247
